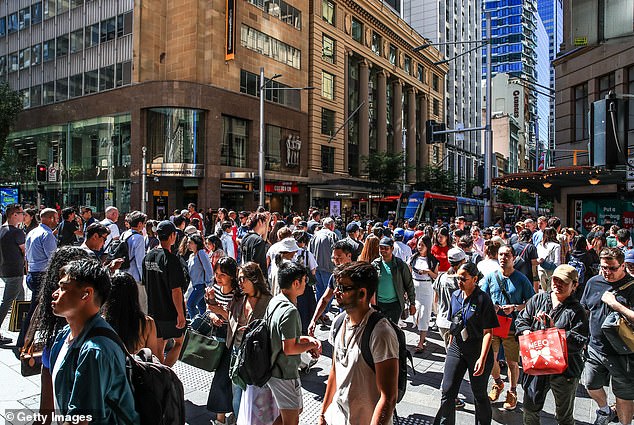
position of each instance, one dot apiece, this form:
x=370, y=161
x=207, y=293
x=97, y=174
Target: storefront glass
x=88, y=163
x=175, y=135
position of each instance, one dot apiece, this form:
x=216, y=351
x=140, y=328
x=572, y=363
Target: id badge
x=464, y=334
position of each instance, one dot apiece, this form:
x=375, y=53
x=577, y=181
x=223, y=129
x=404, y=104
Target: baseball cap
x=302, y=223
x=456, y=255
x=165, y=228
x=191, y=230
x=399, y=234
x=385, y=241
x=352, y=227
x=567, y=273
x=629, y=256
x=288, y=245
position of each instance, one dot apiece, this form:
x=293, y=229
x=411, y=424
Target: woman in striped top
x=218, y=298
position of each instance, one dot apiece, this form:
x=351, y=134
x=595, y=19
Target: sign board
x=630, y=186
x=108, y=198
x=579, y=215
x=8, y=196
x=630, y=162
x=335, y=208
x=52, y=174
x=230, y=30
x=281, y=187
x=459, y=136
x=581, y=41
x=173, y=169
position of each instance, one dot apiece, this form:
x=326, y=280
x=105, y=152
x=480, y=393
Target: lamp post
x=143, y=178
x=488, y=133
x=262, y=89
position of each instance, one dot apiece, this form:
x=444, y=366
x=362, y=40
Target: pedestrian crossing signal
x=431, y=134
x=41, y=173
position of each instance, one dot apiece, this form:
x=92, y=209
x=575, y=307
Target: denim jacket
x=91, y=371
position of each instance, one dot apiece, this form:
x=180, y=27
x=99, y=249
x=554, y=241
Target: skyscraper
x=448, y=22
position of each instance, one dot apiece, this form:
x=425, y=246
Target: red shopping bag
x=505, y=326
x=544, y=352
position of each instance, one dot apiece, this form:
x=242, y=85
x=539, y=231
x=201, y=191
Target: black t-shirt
x=253, y=248
x=478, y=313
x=591, y=301
x=11, y=256
x=162, y=272
x=66, y=234
x=529, y=254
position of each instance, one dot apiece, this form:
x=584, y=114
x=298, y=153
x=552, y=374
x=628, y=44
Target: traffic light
x=41, y=173
x=432, y=127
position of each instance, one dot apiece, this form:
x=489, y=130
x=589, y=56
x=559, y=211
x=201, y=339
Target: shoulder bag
x=505, y=322
x=519, y=260
x=618, y=330
x=31, y=352
x=201, y=349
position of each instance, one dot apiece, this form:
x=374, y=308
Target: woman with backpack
x=218, y=298
x=548, y=257
x=472, y=317
x=250, y=304
x=582, y=260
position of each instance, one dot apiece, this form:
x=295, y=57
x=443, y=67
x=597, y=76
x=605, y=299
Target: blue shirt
x=92, y=371
x=136, y=251
x=199, y=268
x=517, y=286
x=40, y=245
x=537, y=237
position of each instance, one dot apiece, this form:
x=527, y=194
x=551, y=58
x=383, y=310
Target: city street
x=418, y=407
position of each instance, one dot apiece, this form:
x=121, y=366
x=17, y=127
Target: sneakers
x=459, y=404
x=495, y=392
x=605, y=418
x=511, y=401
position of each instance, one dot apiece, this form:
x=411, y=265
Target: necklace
x=344, y=345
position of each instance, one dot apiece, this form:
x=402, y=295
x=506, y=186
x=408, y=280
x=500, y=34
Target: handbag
x=544, y=352
x=19, y=311
x=618, y=330
x=202, y=351
x=31, y=351
x=505, y=322
x=548, y=265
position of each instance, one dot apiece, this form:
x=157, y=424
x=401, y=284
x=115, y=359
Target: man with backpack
x=89, y=374
x=287, y=342
x=359, y=391
x=133, y=252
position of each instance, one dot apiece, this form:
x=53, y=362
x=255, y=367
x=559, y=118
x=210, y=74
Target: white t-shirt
x=488, y=266
x=421, y=264
x=114, y=230
x=356, y=393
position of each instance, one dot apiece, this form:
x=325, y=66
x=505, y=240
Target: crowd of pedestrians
x=480, y=288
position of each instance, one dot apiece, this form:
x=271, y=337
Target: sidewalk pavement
x=418, y=407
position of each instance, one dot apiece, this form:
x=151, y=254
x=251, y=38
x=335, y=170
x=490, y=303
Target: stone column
x=423, y=153
x=411, y=135
x=381, y=113
x=364, y=119
x=397, y=116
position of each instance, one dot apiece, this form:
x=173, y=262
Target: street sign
x=629, y=175
x=630, y=186
x=630, y=162
x=459, y=136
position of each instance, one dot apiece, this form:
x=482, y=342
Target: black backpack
x=252, y=364
x=118, y=248
x=403, y=353
x=159, y=397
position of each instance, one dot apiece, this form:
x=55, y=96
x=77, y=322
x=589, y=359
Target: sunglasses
x=344, y=289
x=612, y=269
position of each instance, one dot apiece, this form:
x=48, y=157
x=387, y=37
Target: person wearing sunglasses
x=473, y=317
x=606, y=292
x=629, y=262
x=558, y=308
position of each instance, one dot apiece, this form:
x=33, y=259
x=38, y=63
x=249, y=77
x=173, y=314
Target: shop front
x=341, y=202
x=282, y=196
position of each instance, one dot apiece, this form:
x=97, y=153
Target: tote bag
x=544, y=352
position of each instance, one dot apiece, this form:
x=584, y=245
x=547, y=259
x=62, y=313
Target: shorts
x=287, y=393
x=511, y=346
x=599, y=368
x=168, y=329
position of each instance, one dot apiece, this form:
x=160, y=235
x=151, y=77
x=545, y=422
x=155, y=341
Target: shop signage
x=174, y=169
x=516, y=103
x=281, y=187
x=578, y=215
x=628, y=219
x=234, y=185
x=343, y=194
x=230, y=30
x=335, y=208
x=293, y=147
x=589, y=220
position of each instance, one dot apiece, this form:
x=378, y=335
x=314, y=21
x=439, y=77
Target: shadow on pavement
x=415, y=419
x=197, y=415
x=430, y=379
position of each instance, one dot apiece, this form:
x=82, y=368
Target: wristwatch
x=514, y=307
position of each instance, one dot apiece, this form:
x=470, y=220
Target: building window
x=376, y=43
x=75, y=86
x=581, y=111
x=92, y=35
x=235, y=141
x=13, y=62
x=268, y=46
x=62, y=6
x=327, y=159
x=124, y=24
x=393, y=54
x=249, y=84
x=91, y=82
x=606, y=84
x=327, y=85
x=327, y=121
x=106, y=78
x=25, y=58
x=61, y=89
x=123, y=74
x=3, y=26
x=13, y=22
x=328, y=49
x=24, y=18
x=175, y=136
x=328, y=11
x=357, y=30
x=435, y=82
x=36, y=96
x=48, y=92
x=420, y=73
x=77, y=40
x=108, y=30
x=3, y=65
x=61, y=47
x=436, y=107
x=407, y=65
x=272, y=151
x=281, y=10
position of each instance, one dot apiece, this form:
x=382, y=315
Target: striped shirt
x=223, y=300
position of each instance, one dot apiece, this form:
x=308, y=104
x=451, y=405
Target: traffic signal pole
x=488, y=134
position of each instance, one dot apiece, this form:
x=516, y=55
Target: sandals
x=420, y=350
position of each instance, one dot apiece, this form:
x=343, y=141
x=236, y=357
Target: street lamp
x=263, y=87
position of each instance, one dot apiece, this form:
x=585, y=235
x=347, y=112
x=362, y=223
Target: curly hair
x=123, y=311
x=47, y=323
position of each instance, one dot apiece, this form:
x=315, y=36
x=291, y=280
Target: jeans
x=33, y=281
x=13, y=290
x=323, y=277
x=391, y=310
x=196, y=301
x=458, y=361
x=535, y=390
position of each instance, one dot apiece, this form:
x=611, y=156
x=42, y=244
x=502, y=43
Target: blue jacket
x=92, y=371
x=199, y=267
